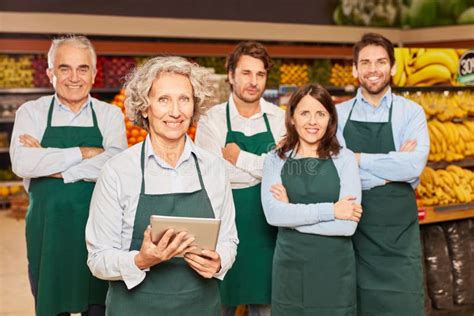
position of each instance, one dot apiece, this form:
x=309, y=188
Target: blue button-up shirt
x=408, y=123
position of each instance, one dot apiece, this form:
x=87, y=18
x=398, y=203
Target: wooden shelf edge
x=465, y=163
x=447, y=213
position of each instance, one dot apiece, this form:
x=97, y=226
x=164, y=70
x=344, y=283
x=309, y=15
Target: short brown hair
x=373, y=39
x=329, y=145
x=249, y=48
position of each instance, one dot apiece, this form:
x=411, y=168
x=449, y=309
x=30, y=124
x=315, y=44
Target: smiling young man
x=242, y=130
x=389, y=137
x=59, y=145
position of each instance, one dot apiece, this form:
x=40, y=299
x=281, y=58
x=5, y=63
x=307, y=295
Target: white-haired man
x=59, y=145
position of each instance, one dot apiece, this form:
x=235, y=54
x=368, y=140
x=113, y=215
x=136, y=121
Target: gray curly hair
x=140, y=81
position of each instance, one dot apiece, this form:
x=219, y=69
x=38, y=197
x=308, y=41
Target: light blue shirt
x=317, y=218
x=408, y=123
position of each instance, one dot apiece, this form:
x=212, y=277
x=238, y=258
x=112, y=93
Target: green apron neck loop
x=50, y=113
x=229, y=124
x=389, y=111
x=142, y=166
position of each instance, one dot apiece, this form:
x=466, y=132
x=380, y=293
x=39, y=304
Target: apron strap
x=352, y=109
x=227, y=115
x=229, y=125
x=50, y=114
x=94, y=117
x=142, y=166
x=267, y=123
x=198, y=171
x=389, y=111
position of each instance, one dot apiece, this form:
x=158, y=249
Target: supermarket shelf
x=433, y=88
x=50, y=90
x=4, y=150
x=465, y=163
x=7, y=119
x=446, y=213
x=10, y=183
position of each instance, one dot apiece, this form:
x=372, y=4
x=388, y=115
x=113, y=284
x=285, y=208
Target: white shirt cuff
x=72, y=156
x=131, y=274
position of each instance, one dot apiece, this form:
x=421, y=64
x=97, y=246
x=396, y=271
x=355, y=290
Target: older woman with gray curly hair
x=164, y=175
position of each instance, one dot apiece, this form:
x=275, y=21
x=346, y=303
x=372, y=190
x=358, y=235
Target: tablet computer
x=204, y=230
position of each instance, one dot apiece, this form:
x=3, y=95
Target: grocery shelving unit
x=446, y=213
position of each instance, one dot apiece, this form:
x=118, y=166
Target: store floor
x=15, y=294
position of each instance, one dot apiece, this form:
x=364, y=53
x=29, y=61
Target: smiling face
x=373, y=70
x=249, y=79
x=310, y=120
x=171, y=107
x=72, y=75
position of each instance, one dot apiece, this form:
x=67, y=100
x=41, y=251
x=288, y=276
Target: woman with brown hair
x=311, y=191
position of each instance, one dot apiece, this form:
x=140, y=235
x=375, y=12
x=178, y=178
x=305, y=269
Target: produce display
x=135, y=134
x=40, y=78
x=445, y=106
x=446, y=186
x=115, y=70
x=426, y=66
x=16, y=71
x=450, y=141
x=294, y=74
x=341, y=75
x=320, y=71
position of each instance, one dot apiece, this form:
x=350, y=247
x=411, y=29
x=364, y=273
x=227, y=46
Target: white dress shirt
x=212, y=131
x=114, y=203
x=32, y=118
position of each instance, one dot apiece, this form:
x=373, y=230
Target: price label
x=466, y=67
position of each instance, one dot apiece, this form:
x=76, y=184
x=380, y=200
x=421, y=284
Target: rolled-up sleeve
x=106, y=258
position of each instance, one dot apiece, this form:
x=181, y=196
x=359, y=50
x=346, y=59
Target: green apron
x=55, y=230
x=312, y=274
x=387, y=241
x=171, y=287
x=249, y=279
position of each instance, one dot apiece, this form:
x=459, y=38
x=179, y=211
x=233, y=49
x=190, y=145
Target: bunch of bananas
x=294, y=74
x=426, y=66
x=341, y=76
x=450, y=141
x=16, y=72
x=446, y=186
x=445, y=106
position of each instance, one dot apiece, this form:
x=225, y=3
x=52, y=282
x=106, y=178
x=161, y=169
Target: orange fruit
x=132, y=140
x=140, y=138
x=143, y=132
x=128, y=124
x=135, y=132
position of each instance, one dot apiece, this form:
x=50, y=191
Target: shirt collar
x=66, y=108
x=189, y=147
x=386, y=100
x=265, y=107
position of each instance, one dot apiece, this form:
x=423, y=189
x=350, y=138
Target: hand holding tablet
x=204, y=230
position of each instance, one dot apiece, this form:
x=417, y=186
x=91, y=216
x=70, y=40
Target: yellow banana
x=448, y=58
x=406, y=57
x=400, y=66
x=429, y=72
